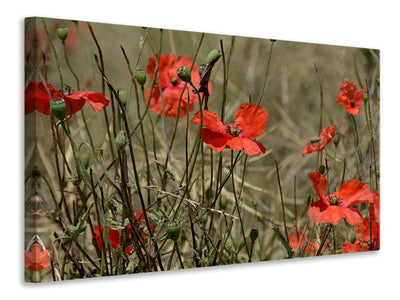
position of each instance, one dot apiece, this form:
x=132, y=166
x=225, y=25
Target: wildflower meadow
x=150, y=150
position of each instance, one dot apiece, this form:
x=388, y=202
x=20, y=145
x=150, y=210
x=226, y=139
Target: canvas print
x=150, y=150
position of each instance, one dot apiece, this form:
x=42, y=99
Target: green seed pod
x=315, y=139
x=62, y=33
x=365, y=97
x=336, y=139
x=213, y=54
x=123, y=96
x=255, y=203
x=253, y=235
x=173, y=231
x=84, y=159
x=224, y=203
x=353, y=236
x=122, y=140
x=59, y=108
x=75, y=178
x=184, y=74
x=140, y=76
x=202, y=68
x=322, y=169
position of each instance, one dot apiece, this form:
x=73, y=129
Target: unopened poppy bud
x=365, y=97
x=272, y=40
x=76, y=178
x=213, y=54
x=123, y=96
x=140, y=76
x=62, y=33
x=122, y=140
x=253, y=235
x=184, y=73
x=59, y=108
x=322, y=169
x=173, y=231
x=255, y=203
x=336, y=139
x=84, y=158
x=224, y=203
x=202, y=68
x=315, y=140
x=353, y=236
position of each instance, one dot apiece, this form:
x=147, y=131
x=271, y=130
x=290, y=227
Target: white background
x=370, y=24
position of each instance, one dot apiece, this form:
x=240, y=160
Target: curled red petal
x=211, y=121
x=251, y=119
x=37, y=98
x=320, y=183
x=248, y=146
x=216, y=140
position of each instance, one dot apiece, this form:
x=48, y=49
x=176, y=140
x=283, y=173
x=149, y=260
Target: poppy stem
x=281, y=195
x=266, y=72
x=358, y=150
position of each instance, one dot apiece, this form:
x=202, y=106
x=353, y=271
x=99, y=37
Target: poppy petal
x=215, y=139
x=36, y=97
x=211, y=121
x=249, y=146
x=97, y=100
x=251, y=119
x=353, y=192
x=36, y=259
x=320, y=183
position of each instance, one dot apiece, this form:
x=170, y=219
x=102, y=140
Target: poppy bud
x=121, y=140
x=123, y=96
x=255, y=203
x=75, y=178
x=173, y=231
x=253, y=235
x=365, y=97
x=336, y=139
x=140, y=76
x=315, y=140
x=62, y=33
x=322, y=169
x=84, y=158
x=184, y=73
x=224, y=203
x=353, y=236
x=59, y=108
x=213, y=54
x=202, y=68
x=272, y=40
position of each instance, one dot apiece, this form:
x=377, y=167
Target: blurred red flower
x=113, y=235
x=350, y=97
x=250, y=122
x=334, y=207
x=325, y=138
x=36, y=98
x=367, y=240
x=307, y=248
x=172, y=86
x=36, y=259
x=374, y=208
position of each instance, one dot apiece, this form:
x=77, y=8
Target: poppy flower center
x=352, y=103
x=334, y=200
x=233, y=130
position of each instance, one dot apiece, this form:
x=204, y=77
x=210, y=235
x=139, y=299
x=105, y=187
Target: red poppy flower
x=307, y=248
x=374, y=209
x=350, y=97
x=250, y=122
x=36, y=259
x=172, y=86
x=364, y=241
x=114, y=236
x=36, y=98
x=326, y=135
x=334, y=207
